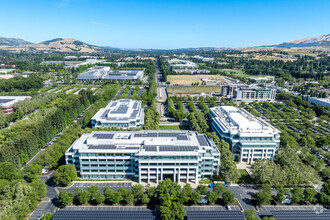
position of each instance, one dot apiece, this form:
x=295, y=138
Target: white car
x=228, y=207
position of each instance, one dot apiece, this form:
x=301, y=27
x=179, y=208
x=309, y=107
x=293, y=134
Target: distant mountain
x=322, y=41
x=67, y=45
x=6, y=41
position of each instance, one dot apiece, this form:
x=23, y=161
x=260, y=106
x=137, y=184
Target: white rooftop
x=238, y=121
x=121, y=110
x=10, y=100
x=144, y=142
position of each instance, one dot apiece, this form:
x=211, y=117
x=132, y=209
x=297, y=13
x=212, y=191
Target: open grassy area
x=194, y=89
x=173, y=127
x=245, y=178
x=169, y=127
x=188, y=79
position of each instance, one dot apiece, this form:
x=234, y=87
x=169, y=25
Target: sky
x=166, y=24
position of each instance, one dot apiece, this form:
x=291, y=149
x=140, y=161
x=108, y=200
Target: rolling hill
x=6, y=41
x=322, y=41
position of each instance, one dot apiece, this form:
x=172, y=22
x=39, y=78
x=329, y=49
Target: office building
x=124, y=113
x=250, y=137
x=241, y=92
x=94, y=73
x=7, y=103
x=132, y=75
x=144, y=156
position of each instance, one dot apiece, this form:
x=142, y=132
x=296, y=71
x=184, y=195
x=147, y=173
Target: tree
x=109, y=194
x=202, y=189
x=98, y=198
x=65, y=197
x=250, y=214
x=310, y=194
x=228, y=197
x=280, y=197
x=138, y=192
x=39, y=187
x=65, y=174
x=47, y=216
x=219, y=188
x=196, y=197
x=145, y=199
x=116, y=198
x=228, y=166
x=9, y=171
x=32, y=172
x=297, y=194
x=264, y=197
x=186, y=193
x=83, y=197
x=212, y=197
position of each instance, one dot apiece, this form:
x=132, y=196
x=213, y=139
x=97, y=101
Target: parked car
x=228, y=207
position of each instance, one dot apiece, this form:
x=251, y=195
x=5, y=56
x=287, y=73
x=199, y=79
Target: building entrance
x=168, y=176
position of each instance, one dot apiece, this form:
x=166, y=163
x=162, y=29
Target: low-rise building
x=94, y=73
x=7, y=103
x=124, y=113
x=144, y=156
x=319, y=101
x=250, y=137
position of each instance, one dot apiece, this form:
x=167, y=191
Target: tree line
x=20, y=83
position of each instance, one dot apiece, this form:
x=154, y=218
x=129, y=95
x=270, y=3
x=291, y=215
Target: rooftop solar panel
x=202, y=140
x=5, y=100
x=214, y=215
x=134, y=113
x=122, y=109
x=103, y=147
x=103, y=136
x=135, y=105
x=113, y=104
x=105, y=114
x=150, y=148
x=301, y=214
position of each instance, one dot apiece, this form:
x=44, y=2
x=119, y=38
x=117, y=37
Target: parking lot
x=113, y=185
x=266, y=210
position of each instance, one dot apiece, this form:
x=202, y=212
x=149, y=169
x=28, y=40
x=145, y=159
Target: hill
x=67, y=45
x=322, y=41
x=6, y=41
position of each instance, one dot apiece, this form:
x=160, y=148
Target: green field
x=173, y=127
x=194, y=89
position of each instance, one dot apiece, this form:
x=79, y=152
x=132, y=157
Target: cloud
x=99, y=24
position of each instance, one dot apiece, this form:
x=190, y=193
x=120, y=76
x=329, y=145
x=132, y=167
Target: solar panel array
x=170, y=148
x=105, y=114
x=104, y=215
x=103, y=147
x=113, y=104
x=177, y=148
x=122, y=109
x=182, y=137
x=215, y=215
x=301, y=215
x=150, y=148
x=103, y=136
x=202, y=140
x=149, y=134
x=135, y=104
x=124, y=100
x=5, y=100
x=134, y=113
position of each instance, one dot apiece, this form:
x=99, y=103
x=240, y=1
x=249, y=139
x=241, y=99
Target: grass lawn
x=188, y=79
x=194, y=89
x=245, y=178
x=169, y=127
x=173, y=127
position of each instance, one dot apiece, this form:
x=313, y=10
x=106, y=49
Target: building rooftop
x=144, y=142
x=238, y=121
x=121, y=110
x=11, y=100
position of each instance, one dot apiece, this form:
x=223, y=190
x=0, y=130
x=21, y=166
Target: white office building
x=124, y=113
x=250, y=137
x=144, y=156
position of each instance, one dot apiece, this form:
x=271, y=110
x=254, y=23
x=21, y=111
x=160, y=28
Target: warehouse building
x=250, y=138
x=94, y=73
x=124, y=113
x=144, y=156
x=7, y=103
